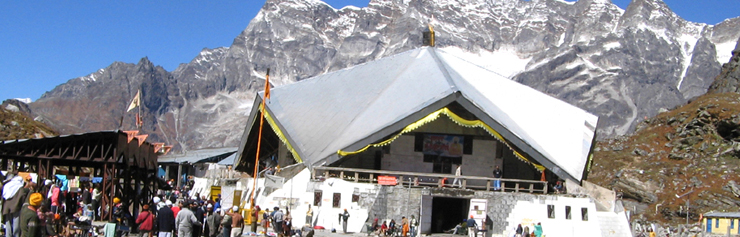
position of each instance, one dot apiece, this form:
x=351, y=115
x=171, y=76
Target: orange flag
x=267, y=85
x=135, y=102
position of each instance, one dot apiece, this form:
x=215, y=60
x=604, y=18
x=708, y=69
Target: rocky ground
x=691, y=153
x=16, y=123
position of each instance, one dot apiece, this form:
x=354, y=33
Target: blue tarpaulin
x=65, y=183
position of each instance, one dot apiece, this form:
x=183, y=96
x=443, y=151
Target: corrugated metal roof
x=723, y=214
x=229, y=160
x=198, y=156
x=352, y=107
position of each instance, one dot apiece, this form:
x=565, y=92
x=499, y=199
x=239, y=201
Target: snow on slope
x=505, y=62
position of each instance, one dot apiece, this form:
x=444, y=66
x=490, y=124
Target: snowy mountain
x=623, y=65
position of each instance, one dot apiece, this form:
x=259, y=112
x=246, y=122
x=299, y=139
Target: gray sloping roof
x=723, y=214
x=349, y=108
x=198, y=156
x=229, y=160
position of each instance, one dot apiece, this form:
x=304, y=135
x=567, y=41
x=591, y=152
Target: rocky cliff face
x=99, y=101
x=689, y=153
x=622, y=65
x=729, y=79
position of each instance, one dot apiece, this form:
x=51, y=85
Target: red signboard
x=387, y=180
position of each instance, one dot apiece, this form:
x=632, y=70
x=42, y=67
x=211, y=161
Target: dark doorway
x=448, y=212
x=378, y=159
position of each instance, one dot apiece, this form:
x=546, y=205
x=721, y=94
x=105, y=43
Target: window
x=551, y=211
x=317, y=198
x=567, y=212
x=716, y=223
x=584, y=214
x=442, y=165
x=732, y=223
x=355, y=197
x=336, y=200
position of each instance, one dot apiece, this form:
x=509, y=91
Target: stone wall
x=394, y=202
x=505, y=210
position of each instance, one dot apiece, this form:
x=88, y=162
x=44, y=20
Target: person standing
x=457, y=180
x=265, y=220
x=497, y=174
x=176, y=208
x=213, y=221
x=345, y=217
x=404, y=227
x=29, y=218
x=472, y=227
x=413, y=224
x=86, y=196
x=255, y=217
x=519, y=230
x=145, y=220
x=166, y=220
x=96, y=197
x=287, y=223
x=309, y=216
x=226, y=225
x=13, y=195
x=277, y=220
x=538, y=230
x=185, y=222
x=200, y=214
x=237, y=220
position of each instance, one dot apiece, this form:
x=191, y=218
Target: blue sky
x=46, y=43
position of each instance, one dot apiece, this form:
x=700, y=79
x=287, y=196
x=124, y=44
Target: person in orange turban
x=30, y=222
x=35, y=199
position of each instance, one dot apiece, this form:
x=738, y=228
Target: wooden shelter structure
x=124, y=160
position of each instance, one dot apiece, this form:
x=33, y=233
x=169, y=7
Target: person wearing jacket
x=15, y=194
x=538, y=230
x=29, y=219
x=213, y=221
x=166, y=220
x=145, y=220
x=186, y=222
x=226, y=225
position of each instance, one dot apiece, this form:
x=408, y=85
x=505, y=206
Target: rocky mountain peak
x=574, y=51
x=650, y=13
x=145, y=65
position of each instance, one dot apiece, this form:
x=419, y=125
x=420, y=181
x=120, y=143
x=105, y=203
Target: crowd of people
x=391, y=228
x=535, y=231
x=188, y=218
x=43, y=210
x=201, y=217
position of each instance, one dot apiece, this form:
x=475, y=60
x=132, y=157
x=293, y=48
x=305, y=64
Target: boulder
x=633, y=188
x=732, y=187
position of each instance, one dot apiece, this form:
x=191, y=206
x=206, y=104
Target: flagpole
x=259, y=137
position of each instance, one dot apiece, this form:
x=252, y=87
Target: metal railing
x=417, y=179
